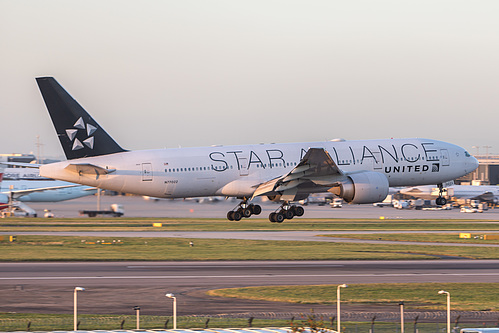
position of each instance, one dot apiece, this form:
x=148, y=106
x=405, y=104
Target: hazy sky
x=186, y=73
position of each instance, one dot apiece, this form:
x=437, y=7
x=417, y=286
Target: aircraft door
x=444, y=157
x=146, y=172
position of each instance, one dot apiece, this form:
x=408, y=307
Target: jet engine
x=363, y=187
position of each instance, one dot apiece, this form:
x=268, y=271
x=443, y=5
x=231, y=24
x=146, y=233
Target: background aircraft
x=473, y=192
x=18, y=186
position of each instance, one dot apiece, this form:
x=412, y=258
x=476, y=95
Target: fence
x=89, y=322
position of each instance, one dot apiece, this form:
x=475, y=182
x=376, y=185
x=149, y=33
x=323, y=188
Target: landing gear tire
x=288, y=214
x=256, y=209
x=243, y=210
x=298, y=210
x=279, y=217
x=237, y=216
x=441, y=201
x=246, y=212
x=272, y=217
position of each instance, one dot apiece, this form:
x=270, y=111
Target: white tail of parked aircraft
x=357, y=171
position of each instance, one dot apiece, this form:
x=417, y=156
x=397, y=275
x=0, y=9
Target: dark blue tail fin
x=78, y=132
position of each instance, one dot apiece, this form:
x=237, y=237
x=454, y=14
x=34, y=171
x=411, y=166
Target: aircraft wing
x=316, y=169
x=485, y=196
x=23, y=165
x=16, y=194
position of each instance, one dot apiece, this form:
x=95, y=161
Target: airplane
x=44, y=191
x=486, y=193
x=13, y=193
x=30, y=187
x=357, y=171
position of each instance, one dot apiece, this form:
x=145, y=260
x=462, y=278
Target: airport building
x=25, y=158
x=487, y=172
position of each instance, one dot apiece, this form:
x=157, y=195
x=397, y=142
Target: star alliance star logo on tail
x=89, y=141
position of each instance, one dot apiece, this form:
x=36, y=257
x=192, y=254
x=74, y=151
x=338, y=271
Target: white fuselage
x=238, y=170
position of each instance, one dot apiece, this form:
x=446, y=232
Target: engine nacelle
x=363, y=187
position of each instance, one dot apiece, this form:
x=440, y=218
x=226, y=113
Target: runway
x=136, y=206
x=115, y=287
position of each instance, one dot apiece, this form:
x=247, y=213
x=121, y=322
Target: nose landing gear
x=243, y=210
x=440, y=201
x=286, y=212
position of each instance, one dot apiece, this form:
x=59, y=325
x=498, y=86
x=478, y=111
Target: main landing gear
x=440, y=201
x=286, y=212
x=243, y=210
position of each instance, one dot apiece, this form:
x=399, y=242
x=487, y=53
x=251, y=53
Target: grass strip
x=464, y=296
x=189, y=224
x=49, y=322
x=422, y=237
x=56, y=248
x=10, y=322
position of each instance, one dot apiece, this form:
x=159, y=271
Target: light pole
x=401, y=303
x=441, y=292
x=477, y=150
x=487, y=150
x=137, y=311
x=338, y=321
x=75, y=309
x=174, y=309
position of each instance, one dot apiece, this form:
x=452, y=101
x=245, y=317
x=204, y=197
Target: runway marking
x=231, y=266
x=241, y=276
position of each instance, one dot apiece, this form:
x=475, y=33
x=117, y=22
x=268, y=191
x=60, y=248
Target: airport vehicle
x=467, y=209
x=115, y=210
x=357, y=171
x=336, y=203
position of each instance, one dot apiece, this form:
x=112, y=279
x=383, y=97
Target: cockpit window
x=467, y=154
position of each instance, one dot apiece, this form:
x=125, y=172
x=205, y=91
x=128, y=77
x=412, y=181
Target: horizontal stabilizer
x=89, y=169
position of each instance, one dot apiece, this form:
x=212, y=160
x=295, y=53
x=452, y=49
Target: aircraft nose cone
x=474, y=164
